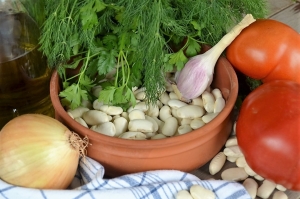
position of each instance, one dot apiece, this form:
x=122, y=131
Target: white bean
x=158, y=136
x=94, y=117
x=185, y=121
x=81, y=121
x=87, y=104
x=159, y=104
x=173, y=95
x=266, y=189
x=249, y=171
x=96, y=90
x=165, y=113
x=183, y=194
x=155, y=125
x=251, y=187
x=175, y=103
x=231, y=159
x=170, y=126
x=231, y=142
x=111, y=110
x=199, y=192
x=169, y=87
x=164, y=98
x=136, y=114
x=70, y=114
x=197, y=101
x=190, y=111
x=97, y=104
x=219, y=105
x=111, y=73
x=197, y=123
x=136, y=91
x=234, y=174
x=140, y=106
x=258, y=177
x=217, y=93
x=78, y=112
x=125, y=115
x=153, y=110
x=107, y=128
x=160, y=124
x=140, y=95
x=121, y=125
x=280, y=187
x=115, y=117
x=174, y=113
x=217, y=163
x=150, y=134
x=241, y=161
x=208, y=101
x=140, y=125
x=280, y=195
x=233, y=151
x=183, y=129
x=209, y=117
x=133, y=135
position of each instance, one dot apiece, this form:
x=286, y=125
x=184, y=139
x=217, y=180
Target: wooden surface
x=286, y=11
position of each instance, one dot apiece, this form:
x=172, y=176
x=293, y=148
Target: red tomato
x=268, y=132
x=267, y=50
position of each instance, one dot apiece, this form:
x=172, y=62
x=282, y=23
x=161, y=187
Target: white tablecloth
x=90, y=184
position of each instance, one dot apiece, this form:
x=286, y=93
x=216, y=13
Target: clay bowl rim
x=158, y=142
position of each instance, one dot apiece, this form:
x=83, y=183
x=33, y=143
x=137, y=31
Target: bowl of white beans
x=172, y=135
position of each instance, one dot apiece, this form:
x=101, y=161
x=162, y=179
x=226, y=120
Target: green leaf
x=88, y=13
x=167, y=65
x=92, y=69
x=198, y=27
x=129, y=95
x=178, y=59
x=89, y=19
x=107, y=61
x=193, y=48
x=120, y=97
x=107, y=95
x=71, y=96
x=110, y=41
x=86, y=82
x=99, y=5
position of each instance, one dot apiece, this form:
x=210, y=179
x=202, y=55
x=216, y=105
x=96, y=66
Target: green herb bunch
x=138, y=39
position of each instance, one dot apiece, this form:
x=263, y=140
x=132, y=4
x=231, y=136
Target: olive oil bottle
x=24, y=74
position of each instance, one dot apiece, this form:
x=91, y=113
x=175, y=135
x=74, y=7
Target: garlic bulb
x=197, y=73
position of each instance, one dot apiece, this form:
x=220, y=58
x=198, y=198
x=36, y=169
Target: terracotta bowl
x=185, y=152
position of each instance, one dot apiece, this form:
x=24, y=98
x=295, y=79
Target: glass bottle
x=24, y=74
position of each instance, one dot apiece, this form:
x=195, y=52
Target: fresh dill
x=139, y=39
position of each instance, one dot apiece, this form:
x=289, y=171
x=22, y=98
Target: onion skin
x=35, y=152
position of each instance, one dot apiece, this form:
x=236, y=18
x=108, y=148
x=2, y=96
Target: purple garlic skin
x=194, y=78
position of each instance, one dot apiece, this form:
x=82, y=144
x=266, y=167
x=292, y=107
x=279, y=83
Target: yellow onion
x=38, y=151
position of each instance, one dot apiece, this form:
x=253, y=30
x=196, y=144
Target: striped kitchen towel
x=90, y=184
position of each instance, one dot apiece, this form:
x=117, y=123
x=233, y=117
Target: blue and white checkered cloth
x=90, y=184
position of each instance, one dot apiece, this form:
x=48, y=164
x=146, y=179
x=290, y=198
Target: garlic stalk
x=197, y=73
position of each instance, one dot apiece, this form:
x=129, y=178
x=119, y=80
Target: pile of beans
x=196, y=192
x=169, y=117
x=243, y=173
